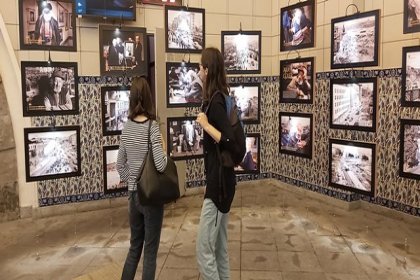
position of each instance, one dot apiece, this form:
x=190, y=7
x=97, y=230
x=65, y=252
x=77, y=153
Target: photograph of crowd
x=297, y=26
x=123, y=51
x=296, y=85
x=47, y=25
x=354, y=40
x=411, y=16
x=52, y=153
x=353, y=104
x=296, y=134
x=185, y=138
x=112, y=182
x=247, y=98
x=49, y=89
x=251, y=161
x=242, y=51
x=411, y=77
x=163, y=2
x=185, y=29
x=184, y=86
x=115, y=104
x=410, y=149
x=352, y=166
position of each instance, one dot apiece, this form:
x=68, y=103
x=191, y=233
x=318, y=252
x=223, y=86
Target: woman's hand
x=202, y=120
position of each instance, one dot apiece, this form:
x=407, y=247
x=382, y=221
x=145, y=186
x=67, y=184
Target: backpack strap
x=211, y=100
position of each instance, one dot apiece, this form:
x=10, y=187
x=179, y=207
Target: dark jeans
x=146, y=225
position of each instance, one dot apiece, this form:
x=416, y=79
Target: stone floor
x=273, y=234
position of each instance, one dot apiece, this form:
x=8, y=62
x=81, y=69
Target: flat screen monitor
x=125, y=9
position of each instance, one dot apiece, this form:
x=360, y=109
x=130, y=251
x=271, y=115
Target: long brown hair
x=141, y=99
x=212, y=60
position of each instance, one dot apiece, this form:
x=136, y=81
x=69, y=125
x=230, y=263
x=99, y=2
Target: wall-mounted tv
x=118, y=9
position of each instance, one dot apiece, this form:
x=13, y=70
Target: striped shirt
x=133, y=149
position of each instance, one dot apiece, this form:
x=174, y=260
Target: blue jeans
x=145, y=225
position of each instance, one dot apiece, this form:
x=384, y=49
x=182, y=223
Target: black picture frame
x=252, y=159
x=39, y=81
x=52, y=154
x=247, y=94
x=111, y=177
x=353, y=104
x=291, y=89
x=115, y=103
x=410, y=92
x=196, y=46
x=30, y=18
x=293, y=134
x=178, y=148
x=118, y=52
x=183, y=85
x=411, y=25
x=290, y=41
x=410, y=149
x=355, y=157
x=162, y=3
x=360, y=43
x=230, y=41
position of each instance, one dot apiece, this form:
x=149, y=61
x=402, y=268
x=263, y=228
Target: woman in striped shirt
x=145, y=221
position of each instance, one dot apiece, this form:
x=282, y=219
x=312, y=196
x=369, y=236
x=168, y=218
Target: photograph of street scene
x=185, y=138
x=352, y=166
x=241, y=51
x=115, y=103
x=296, y=134
x=111, y=176
x=412, y=75
x=185, y=29
x=247, y=100
x=184, y=86
x=296, y=80
x=410, y=153
x=353, y=105
x=250, y=163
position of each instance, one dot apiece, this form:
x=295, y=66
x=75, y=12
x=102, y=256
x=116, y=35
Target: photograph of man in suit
x=138, y=52
x=46, y=27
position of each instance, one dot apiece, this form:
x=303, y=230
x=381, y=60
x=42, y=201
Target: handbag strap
x=148, y=150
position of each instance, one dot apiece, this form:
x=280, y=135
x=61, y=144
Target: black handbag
x=154, y=187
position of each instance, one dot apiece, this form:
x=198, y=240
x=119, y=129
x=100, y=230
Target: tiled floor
x=273, y=234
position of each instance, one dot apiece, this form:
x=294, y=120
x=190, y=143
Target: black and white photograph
x=107, y=9
x=241, y=52
x=112, y=181
x=45, y=25
x=296, y=80
x=115, y=105
x=163, y=2
x=49, y=89
x=352, y=166
x=296, y=134
x=354, y=40
x=353, y=104
x=123, y=51
x=410, y=149
x=248, y=100
x=411, y=16
x=184, y=87
x=52, y=152
x=297, y=26
x=411, y=77
x=185, y=138
x=185, y=29
x=251, y=161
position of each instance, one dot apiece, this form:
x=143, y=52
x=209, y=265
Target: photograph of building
x=115, y=109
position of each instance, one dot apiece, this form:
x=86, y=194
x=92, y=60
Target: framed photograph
x=111, y=176
x=49, y=89
x=352, y=166
x=297, y=26
x=411, y=16
x=241, y=52
x=184, y=87
x=123, y=51
x=163, y=2
x=34, y=16
x=115, y=105
x=296, y=134
x=185, y=138
x=185, y=29
x=52, y=152
x=410, y=149
x=410, y=76
x=297, y=78
x=251, y=161
x=353, y=104
x=248, y=100
x=354, y=40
